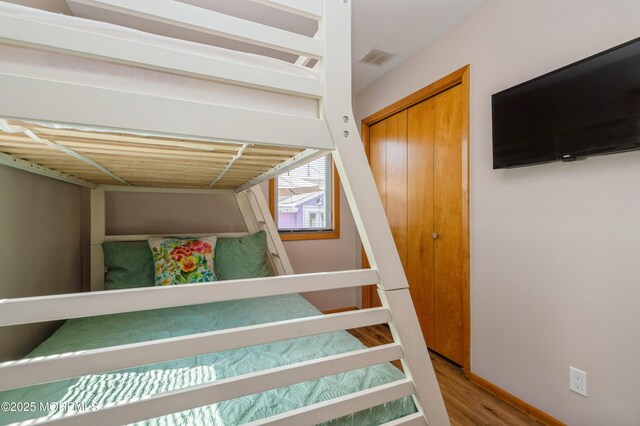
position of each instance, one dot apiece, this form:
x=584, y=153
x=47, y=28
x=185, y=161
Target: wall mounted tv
x=591, y=107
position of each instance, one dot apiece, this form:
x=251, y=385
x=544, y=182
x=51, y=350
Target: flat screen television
x=591, y=107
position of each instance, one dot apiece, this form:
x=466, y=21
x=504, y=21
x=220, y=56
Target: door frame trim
x=458, y=77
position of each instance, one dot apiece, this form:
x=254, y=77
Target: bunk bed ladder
x=371, y=221
x=257, y=217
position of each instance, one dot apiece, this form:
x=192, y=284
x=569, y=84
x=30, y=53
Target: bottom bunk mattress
x=133, y=383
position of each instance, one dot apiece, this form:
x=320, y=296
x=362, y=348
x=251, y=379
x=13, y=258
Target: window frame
x=334, y=233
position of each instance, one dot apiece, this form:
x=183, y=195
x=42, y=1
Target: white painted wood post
x=256, y=215
x=97, y=230
x=260, y=208
x=250, y=219
x=368, y=212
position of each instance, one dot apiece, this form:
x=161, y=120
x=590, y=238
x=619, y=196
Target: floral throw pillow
x=183, y=260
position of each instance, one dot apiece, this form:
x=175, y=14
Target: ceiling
x=401, y=27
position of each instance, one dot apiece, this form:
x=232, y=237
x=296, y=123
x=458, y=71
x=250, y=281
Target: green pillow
x=243, y=257
x=129, y=264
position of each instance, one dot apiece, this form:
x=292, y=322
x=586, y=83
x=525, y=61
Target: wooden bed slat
x=27, y=310
x=151, y=144
x=116, y=153
x=5, y=127
x=225, y=389
x=229, y=166
x=118, y=188
x=21, y=164
x=117, y=138
x=291, y=163
x=32, y=371
x=139, y=160
x=85, y=140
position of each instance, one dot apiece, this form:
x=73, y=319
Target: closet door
x=419, y=268
x=388, y=161
x=447, y=224
x=378, y=164
x=416, y=160
x=396, y=204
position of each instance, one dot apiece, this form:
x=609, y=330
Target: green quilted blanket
x=118, y=386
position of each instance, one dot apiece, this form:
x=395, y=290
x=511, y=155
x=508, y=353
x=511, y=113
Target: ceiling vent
x=376, y=57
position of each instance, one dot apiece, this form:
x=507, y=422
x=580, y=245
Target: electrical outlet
x=578, y=381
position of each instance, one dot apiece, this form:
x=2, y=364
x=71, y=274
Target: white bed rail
x=416, y=419
x=26, y=30
x=342, y=406
x=234, y=387
x=308, y=8
x=32, y=371
x=170, y=116
x=182, y=117
x=28, y=310
x=209, y=22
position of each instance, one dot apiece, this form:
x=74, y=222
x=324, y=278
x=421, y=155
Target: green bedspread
x=117, y=386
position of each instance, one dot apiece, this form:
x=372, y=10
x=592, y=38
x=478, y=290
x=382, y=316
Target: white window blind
x=304, y=197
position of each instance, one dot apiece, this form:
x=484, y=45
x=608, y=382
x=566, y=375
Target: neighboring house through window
x=305, y=201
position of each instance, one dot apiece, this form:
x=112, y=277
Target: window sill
x=302, y=236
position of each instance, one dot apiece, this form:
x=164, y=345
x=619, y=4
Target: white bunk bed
x=245, y=118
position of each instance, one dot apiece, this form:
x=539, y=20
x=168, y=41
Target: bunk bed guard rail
x=38, y=370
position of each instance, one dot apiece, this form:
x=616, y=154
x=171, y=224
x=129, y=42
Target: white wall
x=327, y=255
x=149, y=213
x=555, y=269
x=40, y=248
x=132, y=213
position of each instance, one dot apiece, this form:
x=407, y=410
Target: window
x=305, y=201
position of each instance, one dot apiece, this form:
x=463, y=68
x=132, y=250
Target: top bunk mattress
x=65, y=67
x=124, y=385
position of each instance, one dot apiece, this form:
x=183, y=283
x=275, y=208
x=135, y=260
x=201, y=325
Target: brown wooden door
x=416, y=160
x=447, y=223
x=388, y=160
x=420, y=271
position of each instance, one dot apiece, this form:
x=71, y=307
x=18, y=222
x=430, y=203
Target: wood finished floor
x=467, y=403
